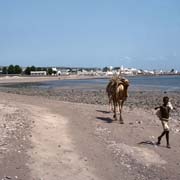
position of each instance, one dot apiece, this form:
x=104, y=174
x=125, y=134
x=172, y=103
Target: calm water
x=165, y=83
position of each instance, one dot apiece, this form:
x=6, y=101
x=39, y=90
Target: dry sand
x=43, y=144
x=21, y=79
x=48, y=139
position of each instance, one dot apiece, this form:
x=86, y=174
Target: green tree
x=50, y=71
x=10, y=69
x=4, y=70
x=105, y=69
x=38, y=69
x=44, y=69
x=17, y=69
x=27, y=71
x=32, y=68
x=172, y=70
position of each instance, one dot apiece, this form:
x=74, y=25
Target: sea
x=137, y=83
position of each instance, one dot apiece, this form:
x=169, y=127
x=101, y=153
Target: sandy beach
x=67, y=134
x=21, y=79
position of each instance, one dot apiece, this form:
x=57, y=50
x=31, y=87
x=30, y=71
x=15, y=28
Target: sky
x=143, y=34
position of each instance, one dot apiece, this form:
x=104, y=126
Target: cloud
x=127, y=58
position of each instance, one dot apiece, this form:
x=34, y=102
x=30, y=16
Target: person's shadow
x=147, y=142
x=151, y=143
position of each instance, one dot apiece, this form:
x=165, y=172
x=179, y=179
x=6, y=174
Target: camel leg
x=120, y=111
x=115, y=117
x=121, y=121
x=110, y=106
x=112, y=109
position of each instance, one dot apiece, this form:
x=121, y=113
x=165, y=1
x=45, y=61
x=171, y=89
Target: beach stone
x=8, y=177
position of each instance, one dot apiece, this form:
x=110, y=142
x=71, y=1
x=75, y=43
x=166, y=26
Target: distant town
x=65, y=71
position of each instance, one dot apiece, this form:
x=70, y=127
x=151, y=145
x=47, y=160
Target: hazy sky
x=90, y=33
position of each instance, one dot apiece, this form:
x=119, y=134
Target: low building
x=38, y=73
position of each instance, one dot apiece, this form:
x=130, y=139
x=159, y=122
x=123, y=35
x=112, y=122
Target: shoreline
x=17, y=79
x=26, y=79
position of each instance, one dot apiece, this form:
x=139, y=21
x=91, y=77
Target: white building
x=38, y=73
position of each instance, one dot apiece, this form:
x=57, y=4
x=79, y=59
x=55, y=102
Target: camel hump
x=121, y=92
x=115, y=82
x=120, y=89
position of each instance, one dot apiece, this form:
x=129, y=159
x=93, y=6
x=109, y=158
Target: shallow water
x=137, y=83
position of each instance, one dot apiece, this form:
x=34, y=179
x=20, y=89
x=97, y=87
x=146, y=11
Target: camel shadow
x=106, y=119
x=105, y=112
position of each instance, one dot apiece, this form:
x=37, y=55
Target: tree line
x=16, y=69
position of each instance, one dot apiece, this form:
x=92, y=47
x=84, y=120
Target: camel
x=117, y=94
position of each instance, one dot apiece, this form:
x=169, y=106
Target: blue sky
x=90, y=33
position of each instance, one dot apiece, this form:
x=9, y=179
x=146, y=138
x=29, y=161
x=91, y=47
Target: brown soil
x=46, y=139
